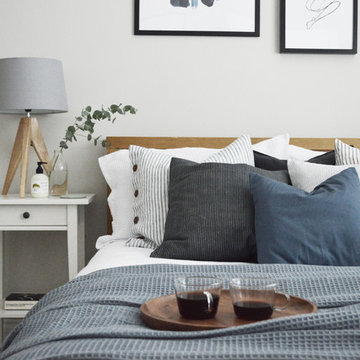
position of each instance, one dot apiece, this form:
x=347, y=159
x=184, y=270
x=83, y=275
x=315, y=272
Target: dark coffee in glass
x=198, y=296
x=196, y=305
x=254, y=299
x=253, y=310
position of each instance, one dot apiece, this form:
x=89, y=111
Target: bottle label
x=40, y=187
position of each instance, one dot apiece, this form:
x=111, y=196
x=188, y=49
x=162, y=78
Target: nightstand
x=46, y=214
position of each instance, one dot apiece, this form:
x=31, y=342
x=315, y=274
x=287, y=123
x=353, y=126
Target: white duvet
x=117, y=254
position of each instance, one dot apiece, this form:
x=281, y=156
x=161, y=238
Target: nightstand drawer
x=32, y=215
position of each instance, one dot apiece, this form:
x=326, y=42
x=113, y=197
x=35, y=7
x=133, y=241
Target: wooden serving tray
x=162, y=313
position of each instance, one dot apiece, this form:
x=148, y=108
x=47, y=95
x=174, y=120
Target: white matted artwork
x=197, y=17
x=319, y=26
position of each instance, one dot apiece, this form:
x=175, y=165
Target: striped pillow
x=346, y=154
x=239, y=151
x=151, y=172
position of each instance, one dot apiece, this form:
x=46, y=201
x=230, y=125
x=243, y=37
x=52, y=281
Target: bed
x=97, y=316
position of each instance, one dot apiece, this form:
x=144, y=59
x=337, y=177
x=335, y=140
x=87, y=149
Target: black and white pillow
x=150, y=186
x=346, y=154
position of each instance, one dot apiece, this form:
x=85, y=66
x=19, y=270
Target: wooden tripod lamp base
x=28, y=134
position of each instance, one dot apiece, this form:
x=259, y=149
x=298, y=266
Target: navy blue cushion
x=318, y=228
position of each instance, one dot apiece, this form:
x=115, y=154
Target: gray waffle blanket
x=97, y=317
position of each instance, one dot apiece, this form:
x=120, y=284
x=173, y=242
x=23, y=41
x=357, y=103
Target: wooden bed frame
x=123, y=142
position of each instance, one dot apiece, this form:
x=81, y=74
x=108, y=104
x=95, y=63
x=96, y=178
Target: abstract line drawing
x=320, y=9
x=191, y=3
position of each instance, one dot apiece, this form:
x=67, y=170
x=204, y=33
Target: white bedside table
x=47, y=214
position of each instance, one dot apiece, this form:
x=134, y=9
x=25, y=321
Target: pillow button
x=135, y=167
x=136, y=193
x=136, y=219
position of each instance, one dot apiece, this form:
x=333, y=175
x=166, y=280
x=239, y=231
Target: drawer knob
x=26, y=215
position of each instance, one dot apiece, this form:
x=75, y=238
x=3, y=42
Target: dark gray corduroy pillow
x=211, y=213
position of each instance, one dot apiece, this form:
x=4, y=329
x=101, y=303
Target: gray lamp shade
x=34, y=84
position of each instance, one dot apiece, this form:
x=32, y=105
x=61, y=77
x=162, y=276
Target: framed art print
x=318, y=26
x=197, y=17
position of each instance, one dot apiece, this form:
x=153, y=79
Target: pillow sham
x=307, y=176
x=267, y=162
x=150, y=188
x=346, y=154
x=300, y=153
x=320, y=228
x=277, y=146
x=116, y=170
x=210, y=213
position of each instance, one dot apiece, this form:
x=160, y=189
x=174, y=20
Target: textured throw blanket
x=97, y=317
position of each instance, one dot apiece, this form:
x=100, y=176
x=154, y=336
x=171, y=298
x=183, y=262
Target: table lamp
x=30, y=86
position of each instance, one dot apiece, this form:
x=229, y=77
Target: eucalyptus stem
x=87, y=120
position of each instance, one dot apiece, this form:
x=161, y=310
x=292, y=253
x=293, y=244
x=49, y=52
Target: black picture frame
x=302, y=50
x=139, y=31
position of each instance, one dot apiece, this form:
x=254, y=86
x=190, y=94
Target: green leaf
x=63, y=145
x=129, y=108
x=114, y=108
x=89, y=125
x=97, y=115
x=84, y=114
x=89, y=137
x=71, y=129
x=79, y=118
x=88, y=108
x=75, y=138
x=120, y=111
x=69, y=135
x=106, y=115
x=95, y=142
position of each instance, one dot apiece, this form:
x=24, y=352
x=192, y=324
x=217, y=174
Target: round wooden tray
x=162, y=313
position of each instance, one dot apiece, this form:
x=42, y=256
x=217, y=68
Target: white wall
x=182, y=86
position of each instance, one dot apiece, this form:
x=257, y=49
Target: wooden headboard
x=117, y=143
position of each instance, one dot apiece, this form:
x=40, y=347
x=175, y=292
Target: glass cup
x=197, y=296
x=254, y=298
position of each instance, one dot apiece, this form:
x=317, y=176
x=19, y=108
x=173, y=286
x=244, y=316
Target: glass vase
x=58, y=181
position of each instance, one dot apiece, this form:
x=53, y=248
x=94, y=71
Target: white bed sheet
x=117, y=254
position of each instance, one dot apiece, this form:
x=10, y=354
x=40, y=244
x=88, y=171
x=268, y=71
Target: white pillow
x=150, y=181
x=300, y=153
x=116, y=168
x=277, y=146
x=346, y=154
x=307, y=176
